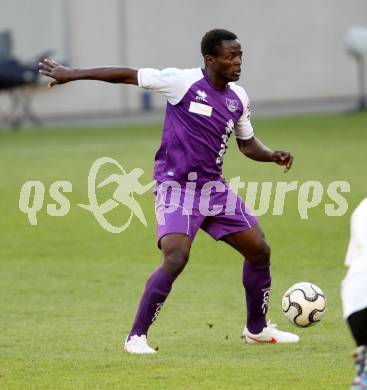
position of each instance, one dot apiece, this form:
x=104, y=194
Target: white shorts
x=354, y=290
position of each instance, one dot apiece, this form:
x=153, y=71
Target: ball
x=304, y=304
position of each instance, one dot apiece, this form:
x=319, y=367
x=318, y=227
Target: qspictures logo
x=261, y=198
x=32, y=194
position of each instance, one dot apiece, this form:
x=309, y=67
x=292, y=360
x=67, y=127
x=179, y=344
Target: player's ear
x=208, y=59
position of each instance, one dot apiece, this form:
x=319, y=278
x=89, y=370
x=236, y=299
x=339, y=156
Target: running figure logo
x=127, y=185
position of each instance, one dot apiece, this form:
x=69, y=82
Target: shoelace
x=137, y=340
x=270, y=325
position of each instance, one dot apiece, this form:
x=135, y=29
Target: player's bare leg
x=256, y=278
x=175, y=253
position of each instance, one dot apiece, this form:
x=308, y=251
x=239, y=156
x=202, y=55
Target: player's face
x=227, y=63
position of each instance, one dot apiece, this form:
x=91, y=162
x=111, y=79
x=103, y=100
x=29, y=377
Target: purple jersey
x=198, y=122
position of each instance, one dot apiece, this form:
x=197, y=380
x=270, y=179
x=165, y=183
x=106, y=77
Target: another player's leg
x=354, y=299
x=358, y=325
x=252, y=245
x=175, y=251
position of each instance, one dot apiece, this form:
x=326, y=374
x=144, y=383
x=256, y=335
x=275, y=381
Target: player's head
x=222, y=53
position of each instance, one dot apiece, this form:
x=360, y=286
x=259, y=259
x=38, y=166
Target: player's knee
x=174, y=260
x=261, y=254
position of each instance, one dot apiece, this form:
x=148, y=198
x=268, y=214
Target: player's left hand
x=283, y=158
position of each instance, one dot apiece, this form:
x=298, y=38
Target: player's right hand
x=60, y=74
x=283, y=158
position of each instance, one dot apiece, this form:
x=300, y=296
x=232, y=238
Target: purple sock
x=156, y=291
x=257, y=281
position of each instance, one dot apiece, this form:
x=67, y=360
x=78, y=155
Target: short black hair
x=212, y=41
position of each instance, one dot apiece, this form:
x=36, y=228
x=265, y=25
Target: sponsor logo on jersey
x=223, y=146
x=201, y=96
x=232, y=105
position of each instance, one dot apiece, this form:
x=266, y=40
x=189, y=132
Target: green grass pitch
x=69, y=289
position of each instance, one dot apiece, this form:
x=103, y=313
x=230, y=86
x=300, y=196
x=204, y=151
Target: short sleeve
x=170, y=82
x=243, y=128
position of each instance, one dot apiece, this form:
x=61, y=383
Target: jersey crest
x=232, y=104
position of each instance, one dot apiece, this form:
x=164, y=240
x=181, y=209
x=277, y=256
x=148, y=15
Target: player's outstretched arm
x=63, y=74
x=253, y=148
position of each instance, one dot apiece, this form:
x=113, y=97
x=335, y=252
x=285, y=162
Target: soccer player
x=354, y=292
x=204, y=106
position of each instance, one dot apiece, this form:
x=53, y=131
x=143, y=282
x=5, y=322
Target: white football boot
x=270, y=334
x=138, y=344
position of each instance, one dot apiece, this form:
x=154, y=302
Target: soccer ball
x=304, y=304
